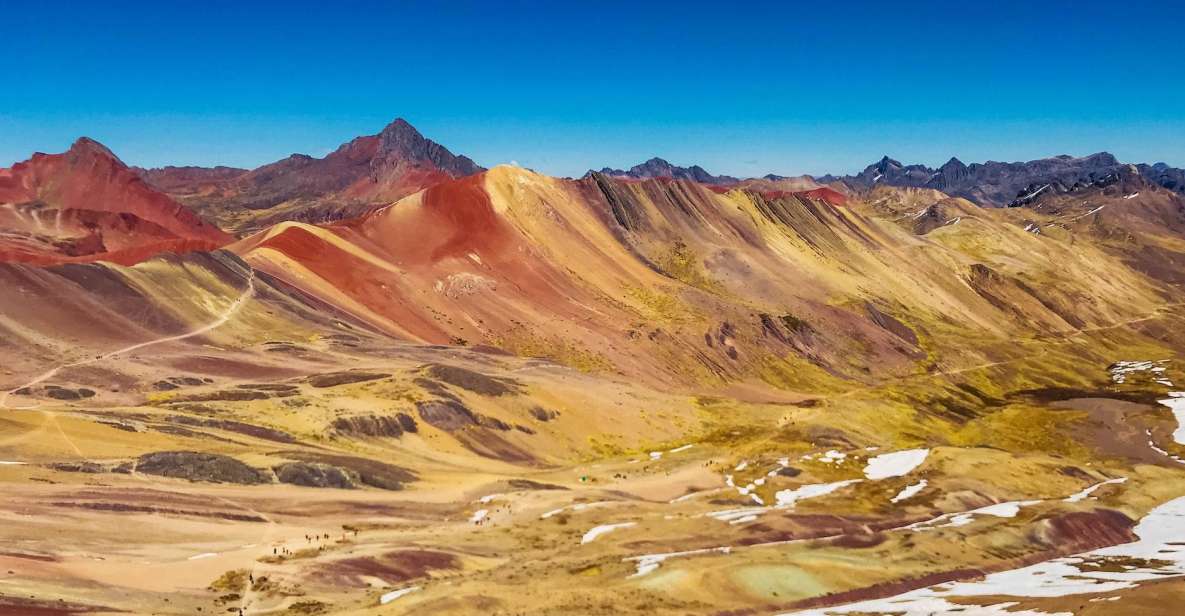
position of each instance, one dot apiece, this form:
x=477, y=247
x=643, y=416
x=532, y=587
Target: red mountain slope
x=87, y=205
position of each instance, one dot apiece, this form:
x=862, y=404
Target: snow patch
x=895, y=464
x=1034, y=193
x=650, y=562
x=395, y=594
x=789, y=498
x=597, y=531
x=1080, y=496
x=1120, y=369
x=909, y=491
x=1000, y=510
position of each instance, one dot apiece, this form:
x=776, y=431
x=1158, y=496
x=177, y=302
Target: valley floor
x=519, y=486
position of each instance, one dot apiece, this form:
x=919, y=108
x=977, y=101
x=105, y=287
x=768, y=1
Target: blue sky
x=788, y=87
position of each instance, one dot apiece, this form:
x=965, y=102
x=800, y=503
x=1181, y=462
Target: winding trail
x=248, y=597
x=222, y=320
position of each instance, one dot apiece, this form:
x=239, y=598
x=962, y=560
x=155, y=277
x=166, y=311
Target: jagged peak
x=402, y=139
x=400, y=126
x=85, y=146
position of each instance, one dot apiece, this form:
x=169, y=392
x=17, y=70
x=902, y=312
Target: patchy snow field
x=1159, y=535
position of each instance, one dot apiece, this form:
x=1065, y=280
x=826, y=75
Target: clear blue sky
x=787, y=87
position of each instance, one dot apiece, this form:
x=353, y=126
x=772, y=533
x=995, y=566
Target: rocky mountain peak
x=401, y=140
x=85, y=147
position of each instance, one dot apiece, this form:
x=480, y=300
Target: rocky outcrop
x=543, y=414
x=261, y=432
x=391, y=426
x=1082, y=531
x=479, y=433
x=196, y=466
x=81, y=466
x=361, y=470
x=333, y=379
x=65, y=393
x=450, y=415
x=314, y=475
x=471, y=380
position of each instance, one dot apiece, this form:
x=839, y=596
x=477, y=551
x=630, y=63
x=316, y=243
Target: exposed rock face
x=196, y=466
x=178, y=382
x=479, y=433
x=361, y=470
x=1164, y=175
x=448, y=415
x=470, y=380
x=83, y=466
x=269, y=434
x=1081, y=531
x=451, y=415
x=543, y=414
x=333, y=379
x=400, y=142
x=64, y=393
x=407, y=423
x=953, y=173
x=392, y=426
x=314, y=475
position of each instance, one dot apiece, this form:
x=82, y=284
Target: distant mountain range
x=990, y=184
x=996, y=184
x=659, y=168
